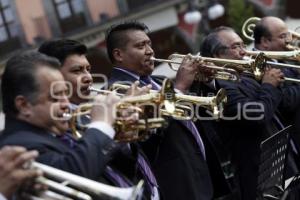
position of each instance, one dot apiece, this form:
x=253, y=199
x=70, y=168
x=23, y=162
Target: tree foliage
x=238, y=12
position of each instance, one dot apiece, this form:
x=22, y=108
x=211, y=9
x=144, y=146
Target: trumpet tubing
x=210, y=103
x=233, y=64
x=229, y=72
x=248, y=27
x=260, y=62
x=137, y=103
x=215, y=103
x=104, y=92
x=278, y=55
x=63, y=189
x=87, y=185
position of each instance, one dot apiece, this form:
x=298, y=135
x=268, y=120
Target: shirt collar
x=129, y=73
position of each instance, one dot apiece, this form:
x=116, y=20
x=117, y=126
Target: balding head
x=271, y=33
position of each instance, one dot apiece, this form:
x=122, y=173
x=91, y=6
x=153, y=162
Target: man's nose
x=87, y=78
x=65, y=100
x=289, y=38
x=149, y=50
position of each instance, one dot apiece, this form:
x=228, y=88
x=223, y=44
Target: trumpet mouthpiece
x=67, y=116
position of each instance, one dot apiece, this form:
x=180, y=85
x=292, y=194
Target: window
x=133, y=4
x=70, y=14
x=68, y=8
x=6, y=20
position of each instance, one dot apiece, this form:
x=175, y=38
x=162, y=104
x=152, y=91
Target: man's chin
x=149, y=70
x=62, y=128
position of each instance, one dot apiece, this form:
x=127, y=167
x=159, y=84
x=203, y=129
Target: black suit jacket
x=243, y=133
x=178, y=164
x=88, y=158
x=290, y=105
x=224, y=180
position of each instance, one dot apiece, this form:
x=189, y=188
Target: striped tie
x=147, y=173
x=146, y=80
x=116, y=178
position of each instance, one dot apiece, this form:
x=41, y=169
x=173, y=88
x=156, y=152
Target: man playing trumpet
x=272, y=34
x=178, y=155
x=244, y=134
x=126, y=167
x=34, y=116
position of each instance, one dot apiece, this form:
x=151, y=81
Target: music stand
x=272, y=165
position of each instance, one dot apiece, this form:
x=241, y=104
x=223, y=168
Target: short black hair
x=19, y=78
x=212, y=45
x=261, y=30
x=116, y=35
x=62, y=48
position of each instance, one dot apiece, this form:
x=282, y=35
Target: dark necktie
x=147, y=173
x=193, y=129
x=146, y=80
x=142, y=166
x=116, y=178
x=111, y=174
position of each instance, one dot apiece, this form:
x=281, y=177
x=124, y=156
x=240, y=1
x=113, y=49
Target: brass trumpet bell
x=261, y=61
x=214, y=104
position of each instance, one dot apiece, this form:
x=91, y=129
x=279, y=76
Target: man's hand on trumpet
x=187, y=73
x=135, y=90
x=12, y=172
x=103, y=108
x=191, y=69
x=106, y=107
x=273, y=76
x=205, y=73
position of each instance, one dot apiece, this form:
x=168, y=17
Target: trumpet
x=248, y=31
x=104, y=92
x=126, y=131
x=279, y=55
x=71, y=183
x=254, y=66
x=215, y=104
x=223, y=73
x=261, y=62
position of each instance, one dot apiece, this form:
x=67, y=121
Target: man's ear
x=117, y=54
x=23, y=105
x=264, y=42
